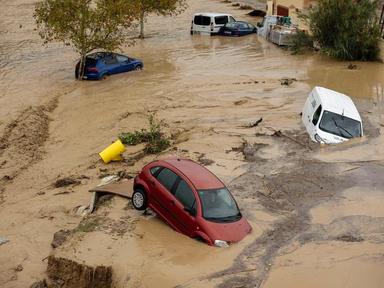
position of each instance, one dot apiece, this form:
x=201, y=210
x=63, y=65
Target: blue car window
x=121, y=58
x=243, y=26
x=230, y=25
x=110, y=60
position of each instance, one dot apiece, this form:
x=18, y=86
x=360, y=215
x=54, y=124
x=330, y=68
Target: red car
x=192, y=200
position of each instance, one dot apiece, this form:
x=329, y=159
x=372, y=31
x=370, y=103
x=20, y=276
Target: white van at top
x=331, y=117
x=209, y=23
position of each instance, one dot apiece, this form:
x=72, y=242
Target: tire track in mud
x=291, y=193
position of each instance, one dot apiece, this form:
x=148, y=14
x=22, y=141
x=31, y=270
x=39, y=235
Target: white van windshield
x=340, y=125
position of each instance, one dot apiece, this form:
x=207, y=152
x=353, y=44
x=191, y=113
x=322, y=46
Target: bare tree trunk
x=142, y=16
x=82, y=66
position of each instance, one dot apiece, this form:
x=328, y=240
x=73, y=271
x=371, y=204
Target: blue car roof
x=100, y=55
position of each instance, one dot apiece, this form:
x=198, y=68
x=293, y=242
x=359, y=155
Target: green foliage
x=134, y=138
x=155, y=139
x=160, y=7
x=301, y=41
x=85, y=25
x=346, y=29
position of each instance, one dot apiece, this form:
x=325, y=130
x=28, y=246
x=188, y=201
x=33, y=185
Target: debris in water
x=254, y=124
x=287, y=81
x=350, y=238
x=3, y=240
x=352, y=66
x=68, y=181
x=240, y=102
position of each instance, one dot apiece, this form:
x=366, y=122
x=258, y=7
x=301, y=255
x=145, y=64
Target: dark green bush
x=301, y=41
x=346, y=29
x=155, y=139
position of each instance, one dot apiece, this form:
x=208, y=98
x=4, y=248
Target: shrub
x=346, y=29
x=301, y=41
x=155, y=139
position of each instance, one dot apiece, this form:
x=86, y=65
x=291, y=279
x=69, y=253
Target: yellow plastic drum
x=112, y=152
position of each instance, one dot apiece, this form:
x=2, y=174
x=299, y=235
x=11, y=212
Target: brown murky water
x=206, y=89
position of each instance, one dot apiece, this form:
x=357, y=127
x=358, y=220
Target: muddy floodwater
x=316, y=211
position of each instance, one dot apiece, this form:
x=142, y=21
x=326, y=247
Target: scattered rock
x=60, y=237
x=66, y=273
x=3, y=240
x=39, y=284
x=287, y=81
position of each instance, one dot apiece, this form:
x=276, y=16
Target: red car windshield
x=218, y=205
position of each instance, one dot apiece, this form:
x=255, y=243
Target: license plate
x=227, y=32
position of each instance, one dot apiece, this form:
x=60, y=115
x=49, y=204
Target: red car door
x=163, y=200
x=184, y=207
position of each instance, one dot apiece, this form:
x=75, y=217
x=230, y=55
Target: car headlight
x=221, y=243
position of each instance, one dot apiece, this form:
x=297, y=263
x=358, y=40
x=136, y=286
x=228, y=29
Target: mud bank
x=208, y=90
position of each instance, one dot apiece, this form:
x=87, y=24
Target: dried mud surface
x=316, y=212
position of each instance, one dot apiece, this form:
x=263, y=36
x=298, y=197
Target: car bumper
x=92, y=76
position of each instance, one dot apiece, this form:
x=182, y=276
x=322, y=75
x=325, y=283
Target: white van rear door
x=202, y=24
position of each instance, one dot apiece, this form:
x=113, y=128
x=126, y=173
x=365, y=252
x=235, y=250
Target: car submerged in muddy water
x=102, y=64
x=331, y=117
x=192, y=200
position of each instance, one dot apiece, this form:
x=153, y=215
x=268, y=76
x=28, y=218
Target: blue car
x=99, y=65
x=238, y=28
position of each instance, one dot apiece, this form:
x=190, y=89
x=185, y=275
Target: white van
x=331, y=117
x=209, y=23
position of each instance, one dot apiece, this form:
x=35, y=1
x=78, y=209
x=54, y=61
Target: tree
x=85, y=25
x=346, y=29
x=160, y=7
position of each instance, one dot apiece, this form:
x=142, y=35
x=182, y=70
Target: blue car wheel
x=103, y=76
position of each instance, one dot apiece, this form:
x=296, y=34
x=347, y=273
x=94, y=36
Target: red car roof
x=200, y=176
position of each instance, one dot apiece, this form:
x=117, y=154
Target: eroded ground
x=316, y=212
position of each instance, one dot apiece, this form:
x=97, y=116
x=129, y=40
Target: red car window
x=154, y=170
x=185, y=194
x=167, y=178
